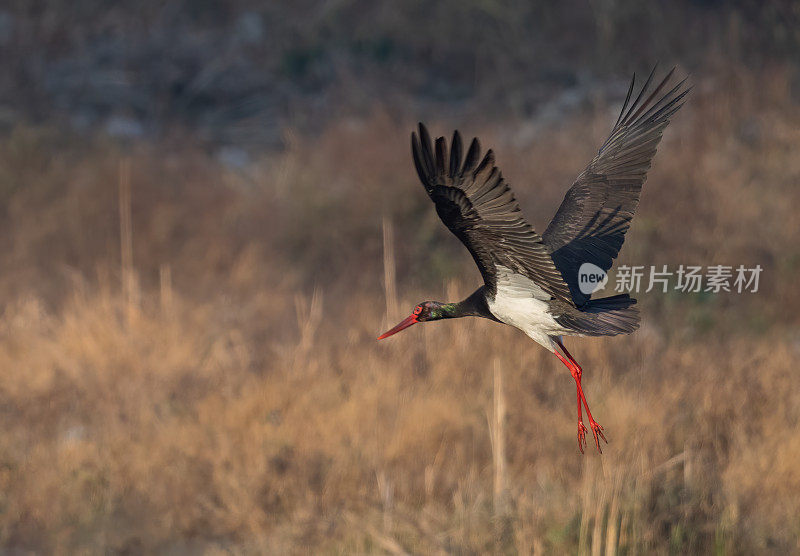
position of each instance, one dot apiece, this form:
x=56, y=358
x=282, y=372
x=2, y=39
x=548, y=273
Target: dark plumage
x=531, y=280
x=474, y=201
x=591, y=222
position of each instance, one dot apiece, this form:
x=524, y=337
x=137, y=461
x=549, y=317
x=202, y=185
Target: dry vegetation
x=221, y=389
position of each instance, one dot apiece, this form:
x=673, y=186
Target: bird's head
x=425, y=311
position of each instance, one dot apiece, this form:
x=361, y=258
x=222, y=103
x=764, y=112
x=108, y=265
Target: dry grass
x=232, y=396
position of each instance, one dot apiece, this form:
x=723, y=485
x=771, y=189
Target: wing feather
x=596, y=212
x=477, y=205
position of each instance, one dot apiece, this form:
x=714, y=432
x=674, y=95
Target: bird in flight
x=531, y=281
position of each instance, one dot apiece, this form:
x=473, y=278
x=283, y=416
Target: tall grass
x=246, y=406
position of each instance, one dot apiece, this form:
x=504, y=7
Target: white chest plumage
x=520, y=303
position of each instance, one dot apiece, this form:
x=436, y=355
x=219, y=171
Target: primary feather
x=477, y=205
x=591, y=222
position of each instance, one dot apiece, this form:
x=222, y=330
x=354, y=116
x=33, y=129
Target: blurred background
x=208, y=212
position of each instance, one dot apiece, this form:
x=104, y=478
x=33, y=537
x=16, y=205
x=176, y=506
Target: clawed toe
x=597, y=431
x=581, y=436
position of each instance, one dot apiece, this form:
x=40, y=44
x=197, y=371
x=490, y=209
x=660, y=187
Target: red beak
x=402, y=326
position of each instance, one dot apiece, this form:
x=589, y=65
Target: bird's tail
x=607, y=316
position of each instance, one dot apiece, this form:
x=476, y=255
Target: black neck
x=473, y=306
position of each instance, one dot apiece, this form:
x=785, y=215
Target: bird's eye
x=417, y=309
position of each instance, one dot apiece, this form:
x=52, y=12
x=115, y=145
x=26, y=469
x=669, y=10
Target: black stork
x=531, y=280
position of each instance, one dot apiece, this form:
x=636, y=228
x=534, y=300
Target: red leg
x=581, y=426
x=576, y=371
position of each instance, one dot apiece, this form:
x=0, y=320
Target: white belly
x=520, y=303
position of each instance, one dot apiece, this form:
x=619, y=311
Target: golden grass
x=239, y=402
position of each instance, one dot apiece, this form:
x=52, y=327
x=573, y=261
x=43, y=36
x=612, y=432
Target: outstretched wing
x=596, y=212
x=474, y=201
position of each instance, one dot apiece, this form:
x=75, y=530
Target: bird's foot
x=597, y=431
x=581, y=436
